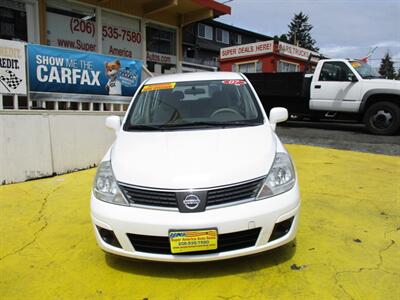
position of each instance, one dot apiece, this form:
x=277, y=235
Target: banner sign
x=56, y=70
x=121, y=35
x=69, y=32
x=12, y=67
x=294, y=51
x=79, y=34
x=247, y=49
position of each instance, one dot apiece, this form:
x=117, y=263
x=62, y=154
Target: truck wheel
x=382, y=118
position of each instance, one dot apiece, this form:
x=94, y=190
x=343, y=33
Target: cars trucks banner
x=12, y=67
x=56, y=70
x=297, y=52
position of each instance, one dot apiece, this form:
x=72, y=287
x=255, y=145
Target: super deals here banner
x=57, y=70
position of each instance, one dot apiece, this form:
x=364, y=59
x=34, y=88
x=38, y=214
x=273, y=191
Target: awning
x=172, y=12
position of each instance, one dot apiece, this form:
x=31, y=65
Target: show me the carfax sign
x=12, y=67
x=57, y=70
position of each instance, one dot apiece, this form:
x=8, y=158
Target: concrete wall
x=36, y=144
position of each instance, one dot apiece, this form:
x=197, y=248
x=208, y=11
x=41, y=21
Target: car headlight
x=105, y=186
x=281, y=177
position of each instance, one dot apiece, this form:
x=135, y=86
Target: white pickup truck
x=339, y=89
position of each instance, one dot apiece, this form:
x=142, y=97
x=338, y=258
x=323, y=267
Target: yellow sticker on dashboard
x=158, y=86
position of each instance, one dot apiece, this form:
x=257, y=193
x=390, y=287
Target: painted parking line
x=348, y=244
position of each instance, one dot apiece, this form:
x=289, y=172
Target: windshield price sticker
x=189, y=241
x=235, y=82
x=158, y=86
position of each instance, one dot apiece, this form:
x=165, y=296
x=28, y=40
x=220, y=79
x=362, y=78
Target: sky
x=342, y=28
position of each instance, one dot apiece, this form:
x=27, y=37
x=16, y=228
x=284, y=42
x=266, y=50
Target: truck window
x=335, y=71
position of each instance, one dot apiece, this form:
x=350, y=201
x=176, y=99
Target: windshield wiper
x=372, y=77
x=172, y=126
x=143, y=127
x=210, y=124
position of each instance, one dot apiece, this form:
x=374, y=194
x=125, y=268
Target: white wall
x=36, y=144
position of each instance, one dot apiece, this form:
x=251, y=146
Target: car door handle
x=317, y=86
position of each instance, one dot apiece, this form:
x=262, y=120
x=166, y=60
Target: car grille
x=234, y=193
x=149, y=197
x=226, y=242
x=167, y=199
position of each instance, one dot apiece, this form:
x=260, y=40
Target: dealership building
x=149, y=30
x=267, y=57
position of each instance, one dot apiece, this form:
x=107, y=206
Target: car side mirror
x=352, y=78
x=277, y=115
x=114, y=123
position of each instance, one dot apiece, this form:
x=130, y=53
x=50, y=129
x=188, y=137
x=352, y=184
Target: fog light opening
x=108, y=237
x=281, y=229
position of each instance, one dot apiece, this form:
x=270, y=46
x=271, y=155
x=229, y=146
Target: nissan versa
x=196, y=173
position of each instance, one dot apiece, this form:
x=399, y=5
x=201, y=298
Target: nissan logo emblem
x=191, y=201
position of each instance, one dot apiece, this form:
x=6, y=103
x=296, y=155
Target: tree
x=282, y=38
x=386, y=68
x=398, y=74
x=300, y=32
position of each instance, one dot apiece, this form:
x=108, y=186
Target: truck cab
x=353, y=87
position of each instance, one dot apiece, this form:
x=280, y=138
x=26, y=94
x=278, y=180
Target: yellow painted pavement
x=348, y=244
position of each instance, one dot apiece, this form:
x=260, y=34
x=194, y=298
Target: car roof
x=195, y=76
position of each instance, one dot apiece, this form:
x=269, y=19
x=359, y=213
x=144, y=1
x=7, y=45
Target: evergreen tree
x=300, y=32
x=282, y=38
x=398, y=74
x=386, y=68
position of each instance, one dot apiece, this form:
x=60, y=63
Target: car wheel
x=382, y=118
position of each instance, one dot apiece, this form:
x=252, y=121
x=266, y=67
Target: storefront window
x=121, y=35
x=70, y=25
x=161, y=49
x=161, y=39
x=247, y=67
x=13, y=24
x=284, y=66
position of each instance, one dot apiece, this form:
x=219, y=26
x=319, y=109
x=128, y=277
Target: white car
x=196, y=173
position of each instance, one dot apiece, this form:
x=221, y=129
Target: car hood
x=185, y=159
x=383, y=83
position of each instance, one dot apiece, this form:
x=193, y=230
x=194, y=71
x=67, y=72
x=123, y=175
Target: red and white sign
x=234, y=82
x=247, y=49
x=161, y=58
x=69, y=32
x=294, y=51
x=121, y=35
x=80, y=34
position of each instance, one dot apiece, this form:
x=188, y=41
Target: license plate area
x=183, y=241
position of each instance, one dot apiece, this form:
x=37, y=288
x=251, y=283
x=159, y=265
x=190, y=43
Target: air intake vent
x=226, y=242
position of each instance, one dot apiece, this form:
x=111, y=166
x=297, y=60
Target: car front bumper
x=263, y=214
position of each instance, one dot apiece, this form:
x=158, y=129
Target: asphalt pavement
x=339, y=136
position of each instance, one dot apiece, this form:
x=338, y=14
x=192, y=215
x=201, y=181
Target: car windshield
x=365, y=70
x=194, y=104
